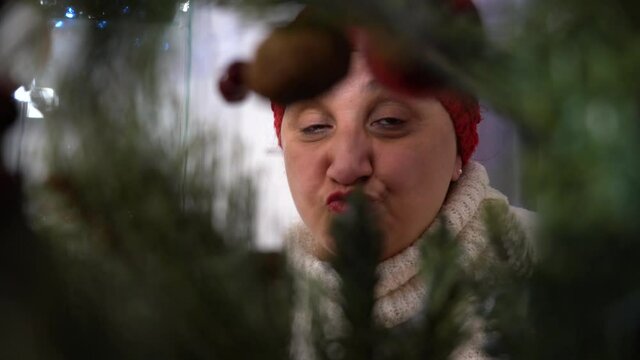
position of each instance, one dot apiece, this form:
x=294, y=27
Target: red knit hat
x=463, y=110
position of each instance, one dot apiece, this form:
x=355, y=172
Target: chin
x=323, y=246
x=324, y=249
x=393, y=245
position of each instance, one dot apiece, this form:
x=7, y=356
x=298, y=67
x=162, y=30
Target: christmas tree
x=120, y=254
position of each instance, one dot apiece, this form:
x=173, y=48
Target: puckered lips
x=337, y=202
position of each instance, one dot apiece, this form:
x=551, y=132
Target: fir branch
x=357, y=253
x=445, y=323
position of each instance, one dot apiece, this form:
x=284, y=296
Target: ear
x=457, y=169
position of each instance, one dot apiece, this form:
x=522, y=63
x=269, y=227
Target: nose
x=350, y=157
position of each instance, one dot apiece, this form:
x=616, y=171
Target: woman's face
x=402, y=150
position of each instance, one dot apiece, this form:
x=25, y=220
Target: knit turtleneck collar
x=399, y=292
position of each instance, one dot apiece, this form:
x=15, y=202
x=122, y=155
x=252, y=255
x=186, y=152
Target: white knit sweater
x=400, y=292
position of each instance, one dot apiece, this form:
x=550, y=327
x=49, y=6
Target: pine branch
x=448, y=302
x=357, y=253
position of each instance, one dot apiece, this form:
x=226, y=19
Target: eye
x=389, y=123
x=315, y=129
x=312, y=123
x=390, y=118
x=314, y=132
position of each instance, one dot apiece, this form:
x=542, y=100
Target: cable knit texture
x=400, y=292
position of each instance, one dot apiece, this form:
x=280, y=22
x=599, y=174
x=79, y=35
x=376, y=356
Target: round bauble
x=232, y=85
x=299, y=62
x=398, y=68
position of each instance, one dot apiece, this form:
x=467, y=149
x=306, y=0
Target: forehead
x=357, y=81
x=358, y=89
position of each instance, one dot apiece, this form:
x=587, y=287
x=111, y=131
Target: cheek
x=303, y=174
x=417, y=168
x=303, y=167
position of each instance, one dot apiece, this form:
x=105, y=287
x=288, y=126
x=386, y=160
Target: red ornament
x=396, y=68
x=463, y=5
x=232, y=85
x=411, y=80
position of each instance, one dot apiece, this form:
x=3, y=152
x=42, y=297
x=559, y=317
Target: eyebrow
x=376, y=90
x=374, y=86
x=299, y=107
x=305, y=104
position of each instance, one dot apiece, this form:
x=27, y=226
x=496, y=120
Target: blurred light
x=71, y=13
x=166, y=46
x=126, y=10
x=137, y=42
x=22, y=95
x=102, y=24
x=44, y=97
x=184, y=6
x=59, y=24
x=37, y=97
x=47, y=2
x=33, y=113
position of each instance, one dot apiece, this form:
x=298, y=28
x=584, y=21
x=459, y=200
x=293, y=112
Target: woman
x=411, y=156
x=408, y=150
